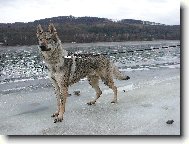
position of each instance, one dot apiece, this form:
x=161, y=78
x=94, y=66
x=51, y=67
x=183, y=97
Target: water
x=24, y=63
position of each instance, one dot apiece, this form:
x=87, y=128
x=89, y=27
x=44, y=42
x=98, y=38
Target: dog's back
x=91, y=66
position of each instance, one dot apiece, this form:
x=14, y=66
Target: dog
x=65, y=70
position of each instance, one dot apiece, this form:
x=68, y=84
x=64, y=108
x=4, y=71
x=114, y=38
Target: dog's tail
x=119, y=75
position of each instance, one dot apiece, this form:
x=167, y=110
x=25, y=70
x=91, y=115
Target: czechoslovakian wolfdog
x=65, y=71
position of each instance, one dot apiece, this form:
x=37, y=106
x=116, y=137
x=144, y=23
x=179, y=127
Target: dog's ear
x=52, y=29
x=39, y=30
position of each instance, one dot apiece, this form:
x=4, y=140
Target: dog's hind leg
x=110, y=83
x=94, y=82
x=57, y=92
x=114, y=88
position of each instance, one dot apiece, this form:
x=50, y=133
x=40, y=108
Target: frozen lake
x=25, y=63
x=146, y=101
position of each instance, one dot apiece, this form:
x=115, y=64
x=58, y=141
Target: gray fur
x=65, y=71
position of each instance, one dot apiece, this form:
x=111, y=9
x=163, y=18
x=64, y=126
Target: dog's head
x=47, y=40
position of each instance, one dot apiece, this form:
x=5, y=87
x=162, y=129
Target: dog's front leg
x=57, y=92
x=63, y=96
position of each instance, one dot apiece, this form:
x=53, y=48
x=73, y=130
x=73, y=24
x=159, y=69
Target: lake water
x=23, y=63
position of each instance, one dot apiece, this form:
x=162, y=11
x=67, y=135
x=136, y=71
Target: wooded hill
x=88, y=29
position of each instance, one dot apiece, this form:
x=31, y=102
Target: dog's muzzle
x=44, y=48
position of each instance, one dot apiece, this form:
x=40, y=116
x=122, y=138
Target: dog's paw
x=58, y=119
x=91, y=103
x=54, y=114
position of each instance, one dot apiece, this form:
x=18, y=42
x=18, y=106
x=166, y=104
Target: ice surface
x=149, y=100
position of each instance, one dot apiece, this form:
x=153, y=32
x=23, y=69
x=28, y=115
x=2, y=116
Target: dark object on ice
x=170, y=121
x=172, y=46
x=130, y=51
x=77, y=93
x=139, y=50
x=148, y=49
x=69, y=95
x=127, y=78
x=164, y=46
x=124, y=91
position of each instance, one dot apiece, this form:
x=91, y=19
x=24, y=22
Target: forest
x=88, y=29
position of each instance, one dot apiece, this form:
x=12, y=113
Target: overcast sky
x=159, y=11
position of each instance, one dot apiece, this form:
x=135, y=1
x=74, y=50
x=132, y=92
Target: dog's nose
x=44, y=48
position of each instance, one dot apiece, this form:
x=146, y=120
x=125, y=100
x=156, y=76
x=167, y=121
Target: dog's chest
x=62, y=67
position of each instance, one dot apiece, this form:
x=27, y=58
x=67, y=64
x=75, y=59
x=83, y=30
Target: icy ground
x=146, y=102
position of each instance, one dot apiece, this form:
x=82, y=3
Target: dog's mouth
x=44, y=48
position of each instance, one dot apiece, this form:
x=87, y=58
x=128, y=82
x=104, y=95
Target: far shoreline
x=97, y=43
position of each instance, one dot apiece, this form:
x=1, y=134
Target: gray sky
x=159, y=11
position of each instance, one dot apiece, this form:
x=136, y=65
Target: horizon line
x=114, y=20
